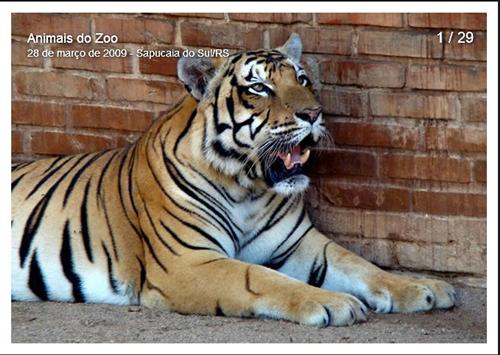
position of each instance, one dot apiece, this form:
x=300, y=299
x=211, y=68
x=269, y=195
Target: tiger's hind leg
x=214, y=285
x=322, y=263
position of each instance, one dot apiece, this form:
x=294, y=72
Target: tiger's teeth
x=288, y=161
x=304, y=157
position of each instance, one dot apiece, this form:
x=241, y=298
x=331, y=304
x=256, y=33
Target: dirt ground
x=84, y=323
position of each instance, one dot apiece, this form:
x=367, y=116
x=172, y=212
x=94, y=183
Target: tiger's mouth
x=289, y=163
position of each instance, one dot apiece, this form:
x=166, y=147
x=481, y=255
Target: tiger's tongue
x=293, y=157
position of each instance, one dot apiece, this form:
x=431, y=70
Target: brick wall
x=405, y=182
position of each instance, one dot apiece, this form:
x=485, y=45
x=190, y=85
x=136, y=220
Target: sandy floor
x=81, y=323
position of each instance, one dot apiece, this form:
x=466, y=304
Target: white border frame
x=491, y=8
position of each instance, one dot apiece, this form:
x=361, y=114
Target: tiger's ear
x=196, y=73
x=292, y=47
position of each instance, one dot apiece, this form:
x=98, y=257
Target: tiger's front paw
x=327, y=308
x=395, y=293
x=444, y=293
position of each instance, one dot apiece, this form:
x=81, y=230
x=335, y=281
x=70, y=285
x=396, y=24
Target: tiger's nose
x=309, y=114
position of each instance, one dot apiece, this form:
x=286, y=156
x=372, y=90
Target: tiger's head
x=261, y=116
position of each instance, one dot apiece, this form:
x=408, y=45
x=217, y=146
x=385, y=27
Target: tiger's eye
x=303, y=80
x=258, y=87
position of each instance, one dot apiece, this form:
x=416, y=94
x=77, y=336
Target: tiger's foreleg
x=212, y=284
x=322, y=263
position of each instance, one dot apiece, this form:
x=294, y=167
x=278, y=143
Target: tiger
x=204, y=213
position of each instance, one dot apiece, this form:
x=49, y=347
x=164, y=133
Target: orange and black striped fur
x=204, y=213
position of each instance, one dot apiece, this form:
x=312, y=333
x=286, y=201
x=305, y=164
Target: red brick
x=399, y=227
x=450, y=204
x=215, y=15
x=466, y=139
x=373, y=19
x=399, y=44
x=343, y=102
x=38, y=23
x=335, y=162
x=363, y=73
x=100, y=64
x=136, y=30
x=455, y=139
x=144, y=90
x=388, y=239
x=473, y=109
x=16, y=145
x=157, y=65
x=435, y=138
x=89, y=116
x=462, y=21
x=238, y=36
x=413, y=105
x=62, y=143
x=374, y=135
x=479, y=171
x=457, y=257
x=38, y=113
x=20, y=54
x=55, y=84
x=330, y=40
x=447, y=77
x=466, y=51
x=425, y=168
x=276, y=17
x=366, y=197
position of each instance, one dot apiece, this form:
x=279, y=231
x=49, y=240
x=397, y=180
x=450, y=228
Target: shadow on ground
x=83, y=323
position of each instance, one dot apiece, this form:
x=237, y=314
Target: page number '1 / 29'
x=459, y=37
